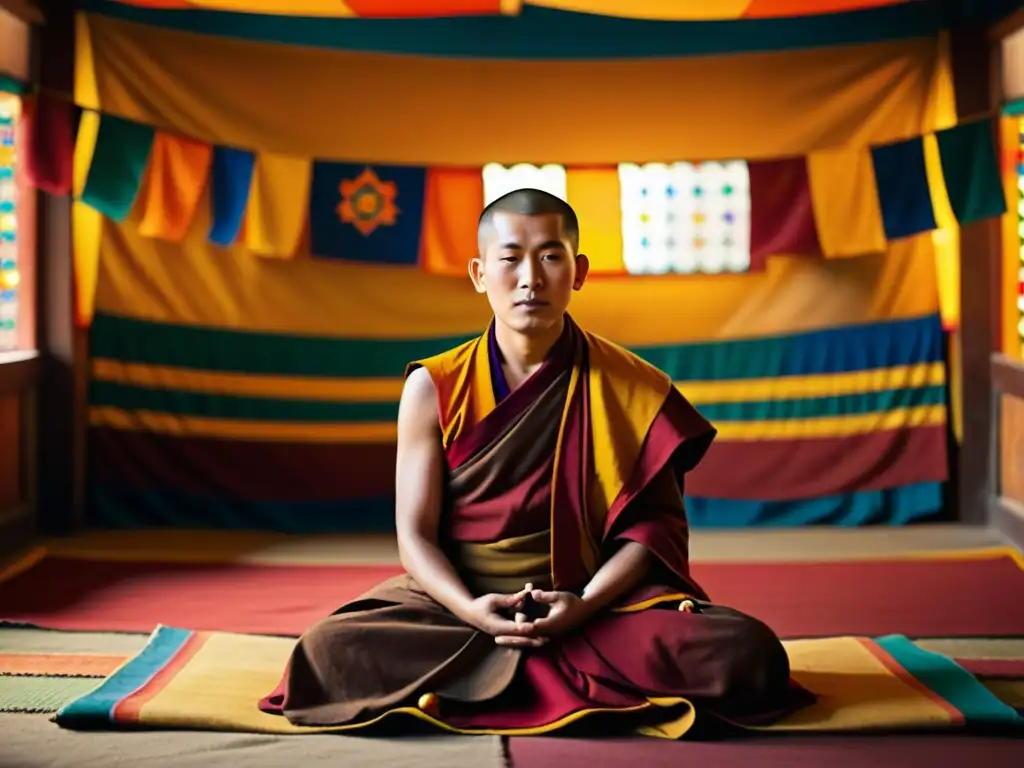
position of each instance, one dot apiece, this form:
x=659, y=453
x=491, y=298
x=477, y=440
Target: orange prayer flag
x=454, y=199
x=178, y=170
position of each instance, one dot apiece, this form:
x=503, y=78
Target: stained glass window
x=685, y=217
x=500, y=179
x=9, y=108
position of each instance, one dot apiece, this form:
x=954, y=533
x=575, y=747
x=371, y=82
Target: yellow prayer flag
x=278, y=205
x=594, y=194
x=177, y=173
x=846, y=207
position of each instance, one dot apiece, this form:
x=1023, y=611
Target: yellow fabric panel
x=218, y=90
x=945, y=236
x=366, y=390
x=453, y=200
x=278, y=205
x=177, y=172
x=385, y=432
x=86, y=223
x=845, y=198
x=1010, y=131
x=821, y=385
x=194, y=282
x=595, y=195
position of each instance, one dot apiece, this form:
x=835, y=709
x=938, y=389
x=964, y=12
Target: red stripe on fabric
x=254, y=471
x=778, y=470
x=781, y=211
x=390, y=9
x=129, y=709
x=897, y=669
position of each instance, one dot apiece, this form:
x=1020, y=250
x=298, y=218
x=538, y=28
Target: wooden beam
x=1007, y=376
x=1006, y=27
x=26, y=10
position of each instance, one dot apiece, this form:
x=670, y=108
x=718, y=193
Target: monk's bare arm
x=622, y=572
x=419, y=487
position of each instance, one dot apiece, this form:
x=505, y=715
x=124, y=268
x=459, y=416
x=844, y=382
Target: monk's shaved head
x=531, y=202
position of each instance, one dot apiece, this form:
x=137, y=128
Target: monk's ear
x=582, y=270
x=476, y=274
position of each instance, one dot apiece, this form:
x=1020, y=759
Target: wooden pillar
x=59, y=502
x=980, y=323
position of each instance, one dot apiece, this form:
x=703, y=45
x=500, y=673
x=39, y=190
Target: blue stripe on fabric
x=96, y=709
x=949, y=680
x=836, y=350
x=231, y=178
x=542, y=33
x=121, y=508
x=895, y=506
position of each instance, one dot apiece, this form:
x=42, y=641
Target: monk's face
x=528, y=268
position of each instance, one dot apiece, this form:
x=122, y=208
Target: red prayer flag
x=48, y=132
x=781, y=211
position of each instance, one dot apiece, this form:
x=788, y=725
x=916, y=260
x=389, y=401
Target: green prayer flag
x=118, y=163
x=971, y=169
x=1014, y=108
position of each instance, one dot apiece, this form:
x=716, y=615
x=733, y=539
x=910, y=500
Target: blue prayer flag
x=367, y=213
x=231, y=176
x=903, y=193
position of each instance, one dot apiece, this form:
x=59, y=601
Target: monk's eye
x=510, y=259
x=553, y=256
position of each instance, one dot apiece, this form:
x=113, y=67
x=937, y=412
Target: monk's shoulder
x=617, y=361
x=444, y=364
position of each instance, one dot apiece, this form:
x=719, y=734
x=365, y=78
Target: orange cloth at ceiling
x=877, y=92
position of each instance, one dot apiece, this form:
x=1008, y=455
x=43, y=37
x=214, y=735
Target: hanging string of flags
x=672, y=217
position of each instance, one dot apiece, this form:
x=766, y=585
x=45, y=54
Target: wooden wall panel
x=1011, y=448
x=10, y=451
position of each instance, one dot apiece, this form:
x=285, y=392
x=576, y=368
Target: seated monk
x=541, y=525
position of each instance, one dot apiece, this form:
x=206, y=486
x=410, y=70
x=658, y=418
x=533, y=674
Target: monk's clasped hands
x=540, y=614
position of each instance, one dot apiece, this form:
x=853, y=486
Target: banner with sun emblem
x=367, y=213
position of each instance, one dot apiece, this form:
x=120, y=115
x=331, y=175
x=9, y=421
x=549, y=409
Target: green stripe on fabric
x=543, y=33
x=183, y=403
x=11, y=84
x=218, y=349
x=952, y=682
x=37, y=693
x=813, y=407
x=837, y=350
x=118, y=164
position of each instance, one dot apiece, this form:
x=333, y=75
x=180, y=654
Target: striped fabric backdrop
x=198, y=426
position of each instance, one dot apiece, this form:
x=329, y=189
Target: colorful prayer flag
x=846, y=209
x=118, y=164
x=903, y=190
x=49, y=137
x=278, y=204
x=454, y=198
x=232, y=177
x=781, y=212
x=367, y=213
x=178, y=171
x=969, y=163
x=595, y=195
